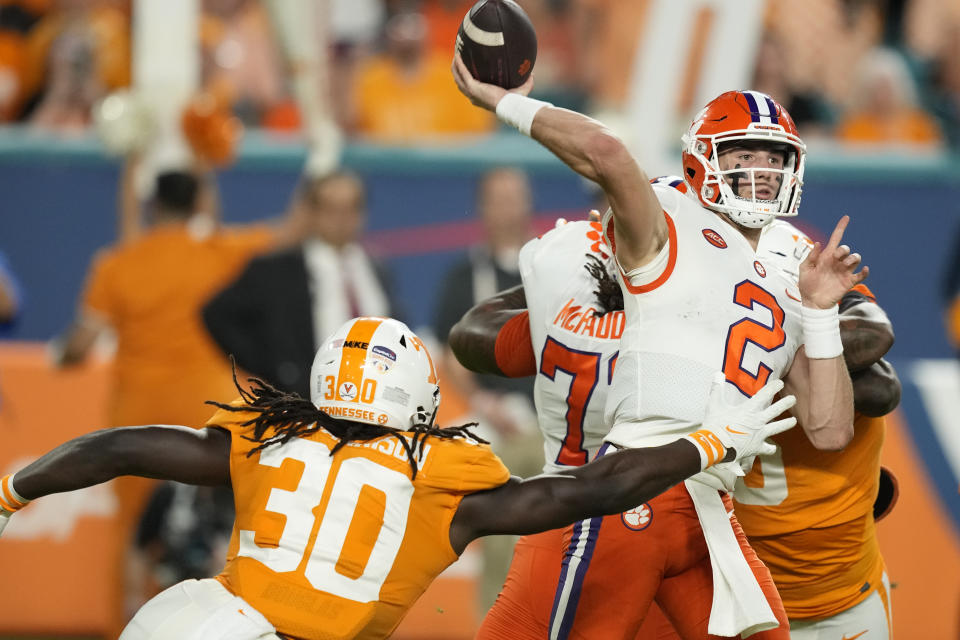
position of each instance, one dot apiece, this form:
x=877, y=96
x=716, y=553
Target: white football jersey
x=707, y=303
x=575, y=349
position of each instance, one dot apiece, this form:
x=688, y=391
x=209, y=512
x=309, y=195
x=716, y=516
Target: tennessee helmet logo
x=714, y=238
x=759, y=268
x=347, y=391
x=638, y=518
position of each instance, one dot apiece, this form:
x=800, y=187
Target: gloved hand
x=734, y=429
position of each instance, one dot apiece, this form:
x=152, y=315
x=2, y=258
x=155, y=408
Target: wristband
x=10, y=500
x=821, y=332
x=708, y=444
x=518, y=111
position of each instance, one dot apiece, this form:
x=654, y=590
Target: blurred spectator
x=17, y=18
x=443, y=18
x=10, y=298
x=808, y=108
x=884, y=108
x=149, y=290
x=945, y=93
x=407, y=93
x=274, y=316
x=75, y=55
x=240, y=62
x=503, y=406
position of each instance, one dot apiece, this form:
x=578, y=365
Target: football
x=497, y=42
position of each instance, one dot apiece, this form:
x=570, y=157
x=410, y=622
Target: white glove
x=742, y=427
x=4, y=517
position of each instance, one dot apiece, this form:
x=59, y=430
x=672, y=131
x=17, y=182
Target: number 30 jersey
x=336, y=547
x=575, y=348
x=706, y=303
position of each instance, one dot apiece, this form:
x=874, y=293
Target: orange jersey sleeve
x=98, y=294
x=331, y=547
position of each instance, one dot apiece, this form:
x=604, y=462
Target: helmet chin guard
x=751, y=118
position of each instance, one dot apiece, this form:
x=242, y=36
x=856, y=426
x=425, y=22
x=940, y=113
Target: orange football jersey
x=330, y=548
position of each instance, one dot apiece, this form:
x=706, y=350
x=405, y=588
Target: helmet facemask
x=720, y=186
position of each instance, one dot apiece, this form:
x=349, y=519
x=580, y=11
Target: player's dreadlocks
x=608, y=292
x=291, y=416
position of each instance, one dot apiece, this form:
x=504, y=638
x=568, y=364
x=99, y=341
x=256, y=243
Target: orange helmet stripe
x=355, y=347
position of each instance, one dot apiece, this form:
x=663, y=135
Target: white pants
x=868, y=620
x=198, y=610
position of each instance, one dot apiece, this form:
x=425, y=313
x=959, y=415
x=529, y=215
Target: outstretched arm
x=621, y=480
x=592, y=150
x=876, y=389
x=181, y=454
x=818, y=376
x=494, y=336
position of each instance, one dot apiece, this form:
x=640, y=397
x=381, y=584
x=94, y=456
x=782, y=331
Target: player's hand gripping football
x=482, y=94
x=829, y=272
x=743, y=427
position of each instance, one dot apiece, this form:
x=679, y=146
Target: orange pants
x=612, y=570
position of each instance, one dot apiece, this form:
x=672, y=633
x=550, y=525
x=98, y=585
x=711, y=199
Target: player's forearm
x=584, y=144
x=473, y=340
x=865, y=341
x=828, y=419
x=876, y=389
x=611, y=484
x=77, y=464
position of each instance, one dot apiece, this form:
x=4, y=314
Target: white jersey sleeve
x=575, y=344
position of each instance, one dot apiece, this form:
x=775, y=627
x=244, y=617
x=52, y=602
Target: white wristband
x=518, y=111
x=10, y=500
x=708, y=445
x=821, y=332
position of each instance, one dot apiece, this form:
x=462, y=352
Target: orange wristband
x=10, y=500
x=708, y=444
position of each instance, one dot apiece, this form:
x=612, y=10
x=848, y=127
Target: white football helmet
x=375, y=370
x=747, y=117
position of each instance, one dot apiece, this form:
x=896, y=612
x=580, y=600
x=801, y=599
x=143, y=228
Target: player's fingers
x=593, y=216
x=852, y=260
x=779, y=426
x=763, y=397
x=783, y=404
x=837, y=234
x=813, y=256
x=861, y=275
x=525, y=88
x=767, y=449
x=841, y=252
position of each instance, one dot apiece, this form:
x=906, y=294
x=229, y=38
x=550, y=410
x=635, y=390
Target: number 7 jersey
x=575, y=348
x=336, y=547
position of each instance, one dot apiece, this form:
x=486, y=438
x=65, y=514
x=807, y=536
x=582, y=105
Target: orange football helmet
x=743, y=116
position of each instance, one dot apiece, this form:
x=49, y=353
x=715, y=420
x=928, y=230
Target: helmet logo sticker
x=759, y=268
x=714, y=238
x=638, y=518
x=382, y=418
x=385, y=352
x=347, y=391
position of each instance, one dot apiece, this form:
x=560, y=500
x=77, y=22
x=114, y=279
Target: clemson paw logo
x=347, y=391
x=759, y=268
x=638, y=518
x=595, y=235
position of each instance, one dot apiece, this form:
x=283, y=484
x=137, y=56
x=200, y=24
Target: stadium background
x=58, y=206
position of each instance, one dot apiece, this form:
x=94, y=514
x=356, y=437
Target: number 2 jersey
x=336, y=547
x=575, y=347
x=809, y=513
x=708, y=302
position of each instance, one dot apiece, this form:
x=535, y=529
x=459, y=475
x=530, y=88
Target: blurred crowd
x=862, y=71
